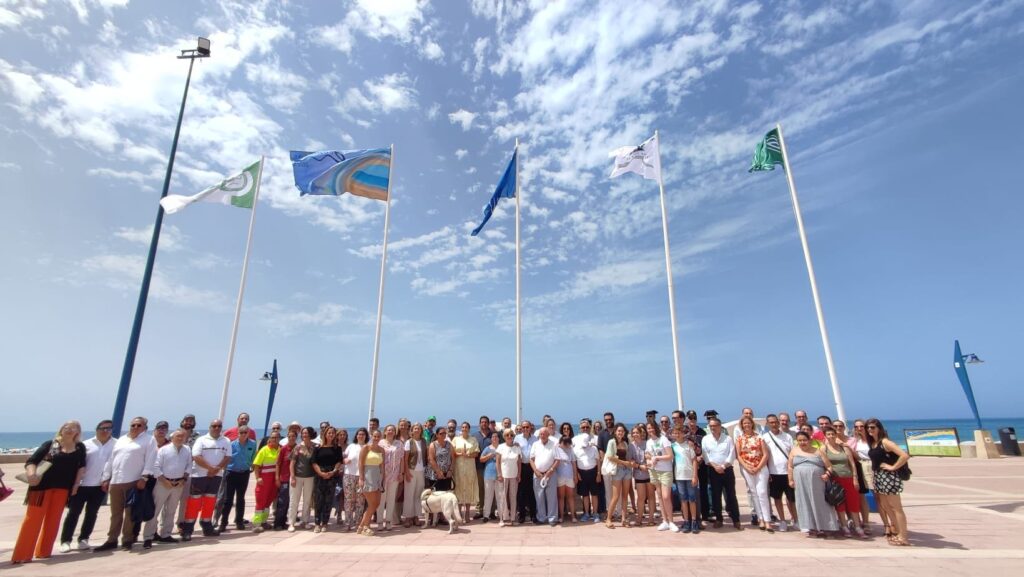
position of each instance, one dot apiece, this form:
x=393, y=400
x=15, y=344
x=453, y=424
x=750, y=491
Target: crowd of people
x=669, y=472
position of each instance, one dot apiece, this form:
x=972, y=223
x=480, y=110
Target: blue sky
x=902, y=120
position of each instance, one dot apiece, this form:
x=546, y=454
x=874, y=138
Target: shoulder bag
x=609, y=467
x=834, y=492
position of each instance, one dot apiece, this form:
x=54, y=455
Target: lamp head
x=203, y=48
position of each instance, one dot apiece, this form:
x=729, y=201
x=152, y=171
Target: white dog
x=444, y=502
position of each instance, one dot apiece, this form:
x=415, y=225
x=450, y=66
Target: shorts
x=566, y=482
x=687, y=491
x=621, y=474
x=778, y=485
x=661, y=477
x=641, y=481
x=887, y=483
x=588, y=482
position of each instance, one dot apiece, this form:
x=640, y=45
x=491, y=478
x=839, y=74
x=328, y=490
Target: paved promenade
x=966, y=518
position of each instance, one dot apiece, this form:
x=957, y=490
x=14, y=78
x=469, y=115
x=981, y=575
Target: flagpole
x=671, y=283
x=519, y=323
x=380, y=292
x=241, y=294
x=814, y=283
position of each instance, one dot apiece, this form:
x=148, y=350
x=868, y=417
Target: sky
x=902, y=121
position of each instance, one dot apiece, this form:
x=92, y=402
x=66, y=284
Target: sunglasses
x=216, y=426
x=872, y=427
x=137, y=426
x=105, y=428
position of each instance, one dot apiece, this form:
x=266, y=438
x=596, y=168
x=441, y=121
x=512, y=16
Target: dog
x=443, y=502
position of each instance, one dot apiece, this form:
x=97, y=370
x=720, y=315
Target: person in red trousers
x=48, y=491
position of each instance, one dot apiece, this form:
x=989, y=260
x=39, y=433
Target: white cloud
x=382, y=95
x=124, y=273
x=284, y=89
x=462, y=117
x=402, y=21
x=460, y=153
x=171, y=237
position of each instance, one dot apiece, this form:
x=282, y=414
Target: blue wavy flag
x=334, y=172
x=506, y=189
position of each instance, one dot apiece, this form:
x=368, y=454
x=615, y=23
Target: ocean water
x=895, y=427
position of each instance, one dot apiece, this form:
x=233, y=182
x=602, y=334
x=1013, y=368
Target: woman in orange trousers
x=48, y=492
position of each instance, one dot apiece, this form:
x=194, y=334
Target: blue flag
x=506, y=189
x=334, y=172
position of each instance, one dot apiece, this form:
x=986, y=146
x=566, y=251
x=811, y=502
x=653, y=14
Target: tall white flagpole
x=380, y=293
x=671, y=283
x=241, y=294
x=519, y=323
x=814, y=283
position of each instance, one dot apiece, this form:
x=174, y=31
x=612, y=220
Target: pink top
x=393, y=455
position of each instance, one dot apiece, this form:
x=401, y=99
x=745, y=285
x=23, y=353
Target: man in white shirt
x=544, y=462
x=211, y=454
x=720, y=453
x=779, y=443
x=171, y=469
x=90, y=495
x=801, y=420
x=130, y=464
x=584, y=446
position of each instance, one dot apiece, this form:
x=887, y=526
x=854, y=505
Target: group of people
x=504, y=472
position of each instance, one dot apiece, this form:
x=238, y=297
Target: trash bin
x=1008, y=442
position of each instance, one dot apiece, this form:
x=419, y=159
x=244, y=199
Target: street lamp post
x=202, y=50
x=983, y=443
x=272, y=377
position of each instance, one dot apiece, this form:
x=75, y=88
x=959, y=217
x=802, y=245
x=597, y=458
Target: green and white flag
x=768, y=152
x=238, y=190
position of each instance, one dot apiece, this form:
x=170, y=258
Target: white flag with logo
x=643, y=160
x=238, y=190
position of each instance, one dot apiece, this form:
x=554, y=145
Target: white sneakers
x=673, y=527
x=664, y=526
x=65, y=547
x=83, y=544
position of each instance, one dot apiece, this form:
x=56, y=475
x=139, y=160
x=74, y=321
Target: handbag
x=41, y=470
x=609, y=467
x=834, y=492
x=5, y=491
x=904, y=472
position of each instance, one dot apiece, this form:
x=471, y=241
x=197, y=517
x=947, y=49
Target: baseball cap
x=710, y=413
x=432, y=418
x=162, y=425
x=295, y=425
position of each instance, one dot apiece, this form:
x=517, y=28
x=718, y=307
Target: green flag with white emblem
x=768, y=152
x=238, y=190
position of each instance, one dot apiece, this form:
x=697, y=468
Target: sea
x=20, y=441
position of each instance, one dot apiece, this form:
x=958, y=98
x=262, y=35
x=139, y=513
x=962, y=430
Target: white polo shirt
x=779, y=447
x=97, y=455
x=212, y=451
x=543, y=454
x=584, y=446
